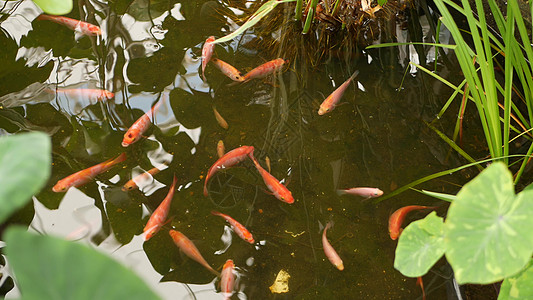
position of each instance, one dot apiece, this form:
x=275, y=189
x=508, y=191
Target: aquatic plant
x=24, y=170
x=486, y=236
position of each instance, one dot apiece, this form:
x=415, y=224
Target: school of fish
x=159, y=218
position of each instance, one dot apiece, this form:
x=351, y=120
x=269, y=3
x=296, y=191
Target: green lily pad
x=488, y=228
x=519, y=286
x=71, y=270
x=55, y=7
x=420, y=246
x=24, y=169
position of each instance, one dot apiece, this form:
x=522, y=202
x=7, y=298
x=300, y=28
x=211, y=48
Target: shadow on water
x=375, y=137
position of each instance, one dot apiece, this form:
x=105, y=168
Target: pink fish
x=331, y=254
x=159, y=216
x=136, y=130
x=278, y=190
x=83, y=27
x=82, y=177
x=227, y=279
x=99, y=94
x=332, y=100
x=220, y=149
x=366, y=192
x=229, y=159
x=190, y=249
x=228, y=70
x=207, y=52
x=239, y=229
x=265, y=69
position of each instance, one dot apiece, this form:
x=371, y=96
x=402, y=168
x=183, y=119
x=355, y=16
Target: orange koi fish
x=332, y=100
x=278, y=190
x=239, y=229
x=190, y=249
x=99, y=94
x=366, y=192
x=136, y=130
x=220, y=149
x=131, y=184
x=80, y=26
x=228, y=70
x=229, y=159
x=396, y=219
x=207, y=52
x=267, y=162
x=159, y=216
x=265, y=69
x=227, y=279
x=331, y=254
x=82, y=177
x=220, y=119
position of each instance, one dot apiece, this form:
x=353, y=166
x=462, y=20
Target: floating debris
x=281, y=283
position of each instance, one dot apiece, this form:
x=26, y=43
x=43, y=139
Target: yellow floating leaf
x=281, y=283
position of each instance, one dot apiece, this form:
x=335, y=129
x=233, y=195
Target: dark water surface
x=150, y=51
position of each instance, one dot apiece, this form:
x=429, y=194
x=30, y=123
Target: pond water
x=149, y=52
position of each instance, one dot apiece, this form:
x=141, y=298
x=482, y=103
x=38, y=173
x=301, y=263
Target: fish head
x=151, y=231
x=95, y=30
x=237, y=77
x=108, y=94
x=376, y=193
x=130, y=137
x=286, y=196
x=323, y=110
x=128, y=186
x=229, y=264
x=60, y=187
x=394, y=233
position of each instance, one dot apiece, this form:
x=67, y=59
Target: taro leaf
x=70, y=270
x=420, y=246
x=488, y=228
x=519, y=286
x=55, y=7
x=24, y=169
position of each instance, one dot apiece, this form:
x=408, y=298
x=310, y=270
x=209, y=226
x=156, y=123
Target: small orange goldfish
x=136, y=130
x=239, y=229
x=227, y=279
x=83, y=27
x=396, y=219
x=157, y=219
x=190, y=249
x=82, y=177
x=265, y=69
x=229, y=159
x=220, y=149
x=131, y=184
x=228, y=70
x=99, y=94
x=220, y=119
x=278, y=190
x=331, y=254
x=207, y=52
x=332, y=100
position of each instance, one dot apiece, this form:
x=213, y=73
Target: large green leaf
x=24, y=169
x=519, y=286
x=50, y=268
x=55, y=7
x=488, y=228
x=420, y=246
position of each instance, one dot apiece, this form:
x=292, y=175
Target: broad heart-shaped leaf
x=488, y=228
x=24, y=169
x=55, y=7
x=51, y=268
x=420, y=246
x=519, y=286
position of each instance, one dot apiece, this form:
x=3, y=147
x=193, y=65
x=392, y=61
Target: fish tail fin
x=205, y=188
x=354, y=74
x=340, y=192
x=174, y=181
x=215, y=213
x=43, y=17
x=329, y=224
x=119, y=159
